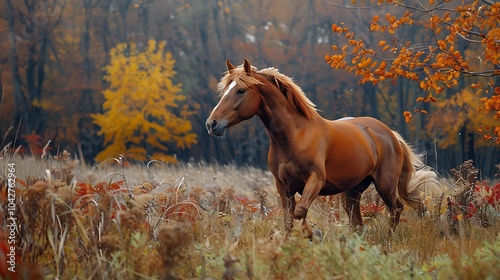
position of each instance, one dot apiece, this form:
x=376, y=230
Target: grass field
x=205, y=221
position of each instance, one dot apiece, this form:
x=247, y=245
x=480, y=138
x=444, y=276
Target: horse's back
x=373, y=128
x=370, y=122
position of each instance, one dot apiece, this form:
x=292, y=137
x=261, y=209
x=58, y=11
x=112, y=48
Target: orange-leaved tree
x=460, y=48
x=142, y=114
x=457, y=115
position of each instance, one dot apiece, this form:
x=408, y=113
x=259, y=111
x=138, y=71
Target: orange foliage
x=463, y=44
x=492, y=104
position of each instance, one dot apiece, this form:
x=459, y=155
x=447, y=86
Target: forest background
x=66, y=63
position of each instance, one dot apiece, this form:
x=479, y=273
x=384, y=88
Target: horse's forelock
x=239, y=76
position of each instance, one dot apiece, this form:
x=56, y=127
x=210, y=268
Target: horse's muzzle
x=215, y=128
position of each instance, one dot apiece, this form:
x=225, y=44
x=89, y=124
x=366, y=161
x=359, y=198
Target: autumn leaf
x=407, y=115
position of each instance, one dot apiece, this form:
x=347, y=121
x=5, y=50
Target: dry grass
x=157, y=221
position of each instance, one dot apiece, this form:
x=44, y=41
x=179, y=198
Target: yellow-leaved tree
x=142, y=114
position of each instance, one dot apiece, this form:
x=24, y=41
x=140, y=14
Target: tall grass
x=118, y=220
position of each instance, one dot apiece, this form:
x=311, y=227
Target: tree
x=29, y=27
x=463, y=44
x=458, y=115
x=142, y=105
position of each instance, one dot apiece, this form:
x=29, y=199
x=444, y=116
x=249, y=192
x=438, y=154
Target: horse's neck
x=282, y=123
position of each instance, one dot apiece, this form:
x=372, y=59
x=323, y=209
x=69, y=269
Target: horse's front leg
x=288, y=202
x=311, y=191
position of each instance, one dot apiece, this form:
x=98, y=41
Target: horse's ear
x=229, y=65
x=246, y=66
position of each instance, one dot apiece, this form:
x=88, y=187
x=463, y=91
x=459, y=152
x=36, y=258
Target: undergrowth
x=123, y=221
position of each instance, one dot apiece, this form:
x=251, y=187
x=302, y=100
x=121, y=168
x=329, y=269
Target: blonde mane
x=296, y=98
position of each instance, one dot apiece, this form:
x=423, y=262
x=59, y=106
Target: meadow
x=119, y=220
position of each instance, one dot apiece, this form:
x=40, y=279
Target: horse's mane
x=295, y=96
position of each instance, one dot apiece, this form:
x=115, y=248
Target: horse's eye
x=241, y=91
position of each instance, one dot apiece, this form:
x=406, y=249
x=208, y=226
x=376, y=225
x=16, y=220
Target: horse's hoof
x=317, y=235
x=358, y=229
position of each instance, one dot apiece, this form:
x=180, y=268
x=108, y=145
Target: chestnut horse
x=313, y=156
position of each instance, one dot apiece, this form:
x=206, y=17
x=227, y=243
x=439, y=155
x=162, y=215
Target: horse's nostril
x=214, y=124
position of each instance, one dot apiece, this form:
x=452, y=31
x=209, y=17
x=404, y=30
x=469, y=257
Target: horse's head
x=239, y=101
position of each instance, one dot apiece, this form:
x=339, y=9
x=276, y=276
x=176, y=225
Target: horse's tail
x=415, y=177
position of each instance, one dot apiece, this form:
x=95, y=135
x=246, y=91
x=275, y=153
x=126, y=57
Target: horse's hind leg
x=352, y=202
x=386, y=188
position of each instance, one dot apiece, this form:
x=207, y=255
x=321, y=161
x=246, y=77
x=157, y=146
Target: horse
x=313, y=156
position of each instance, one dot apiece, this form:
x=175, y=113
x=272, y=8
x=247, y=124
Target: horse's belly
x=330, y=189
